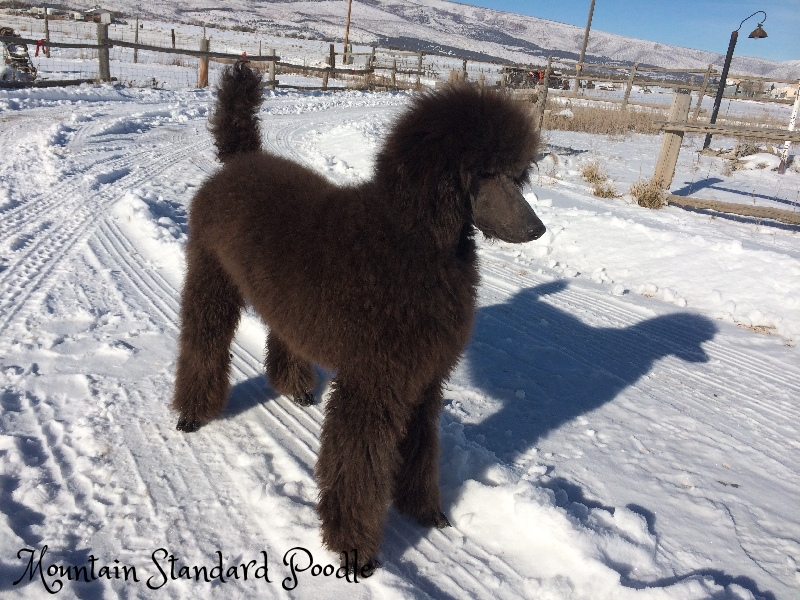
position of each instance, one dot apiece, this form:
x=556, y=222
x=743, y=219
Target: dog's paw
x=303, y=398
x=187, y=425
x=437, y=519
x=366, y=568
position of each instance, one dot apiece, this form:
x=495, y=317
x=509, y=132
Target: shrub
x=605, y=189
x=648, y=193
x=592, y=172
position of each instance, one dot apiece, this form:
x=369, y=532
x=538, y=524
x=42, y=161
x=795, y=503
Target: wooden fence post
x=203, y=79
x=136, y=41
x=332, y=61
x=578, y=69
x=543, y=95
x=671, y=146
x=173, y=38
x=629, y=86
x=272, y=82
x=46, y=32
x=419, y=67
x=481, y=81
x=792, y=121
x=701, y=94
x=464, y=69
x=394, y=72
x=104, y=72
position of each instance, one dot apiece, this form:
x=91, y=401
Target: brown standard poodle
x=375, y=281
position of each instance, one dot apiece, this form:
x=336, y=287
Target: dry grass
x=610, y=119
x=602, y=186
x=767, y=329
x=605, y=189
x=648, y=193
x=593, y=173
x=603, y=119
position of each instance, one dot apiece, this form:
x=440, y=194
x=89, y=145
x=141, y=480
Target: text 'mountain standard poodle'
x=376, y=281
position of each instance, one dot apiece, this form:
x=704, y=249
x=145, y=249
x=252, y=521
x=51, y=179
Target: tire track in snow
x=29, y=274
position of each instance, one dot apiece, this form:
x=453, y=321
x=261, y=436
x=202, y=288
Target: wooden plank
x=324, y=69
x=628, y=67
x=671, y=146
x=660, y=70
x=745, y=210
x=629, y=85
x=21, y=40
x=753, y=78
x=702, y=93
x=731, y=130
x=197, y=53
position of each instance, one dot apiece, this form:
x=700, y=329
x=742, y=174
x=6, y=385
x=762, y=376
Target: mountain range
x=443, y=27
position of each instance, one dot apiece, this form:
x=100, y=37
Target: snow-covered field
x=623, y=425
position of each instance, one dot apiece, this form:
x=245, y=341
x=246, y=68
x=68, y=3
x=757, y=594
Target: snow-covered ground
x=623, y=425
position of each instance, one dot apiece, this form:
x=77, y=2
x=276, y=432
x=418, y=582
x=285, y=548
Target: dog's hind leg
x=357, y=462
x=210, y=309
x=416, y=485
x=288, y=373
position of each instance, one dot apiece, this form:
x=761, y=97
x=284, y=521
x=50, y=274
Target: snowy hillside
x=624, y=424
x=438, y=25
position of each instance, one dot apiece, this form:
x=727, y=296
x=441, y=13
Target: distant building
x=76, y=15
x=98, y=15
x=784, y=92
x=38, y=11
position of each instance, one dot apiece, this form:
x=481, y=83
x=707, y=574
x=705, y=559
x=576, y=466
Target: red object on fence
x=39, y=44
x=244, y=57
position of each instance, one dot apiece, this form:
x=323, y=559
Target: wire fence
x=169, y=58
x=73, y=53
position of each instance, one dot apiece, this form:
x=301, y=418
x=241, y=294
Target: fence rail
x=745, y=210
x=780, y=135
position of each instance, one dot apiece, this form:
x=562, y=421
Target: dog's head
x=462, y=154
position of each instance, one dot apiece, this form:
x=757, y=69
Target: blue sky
x=700, y=24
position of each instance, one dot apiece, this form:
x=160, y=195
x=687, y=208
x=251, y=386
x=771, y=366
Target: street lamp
x=757, y=33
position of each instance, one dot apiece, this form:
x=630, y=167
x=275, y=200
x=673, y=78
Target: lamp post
x=757, y=33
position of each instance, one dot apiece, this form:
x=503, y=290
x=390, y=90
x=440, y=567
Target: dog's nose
x=536, y=231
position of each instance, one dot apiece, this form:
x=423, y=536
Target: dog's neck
x=434, y=211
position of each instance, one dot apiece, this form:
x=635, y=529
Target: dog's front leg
x=210, y=309
x=358, y=459
x=416, y=485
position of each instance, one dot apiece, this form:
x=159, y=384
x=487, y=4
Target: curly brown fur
x=377, y=281
x=234, y=124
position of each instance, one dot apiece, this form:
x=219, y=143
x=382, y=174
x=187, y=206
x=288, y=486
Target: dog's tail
x=234, y=123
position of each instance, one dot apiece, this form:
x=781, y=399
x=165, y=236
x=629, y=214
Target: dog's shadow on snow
x=547, y=367
x=565, y=368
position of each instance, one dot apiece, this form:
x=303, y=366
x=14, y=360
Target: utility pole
x=583, y=49
x=347, y=32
